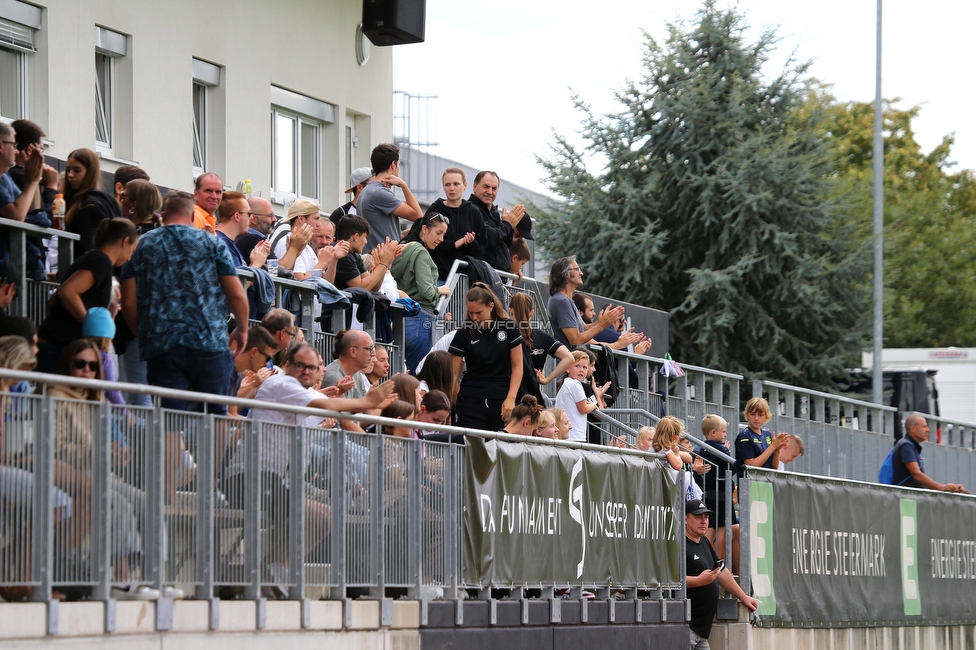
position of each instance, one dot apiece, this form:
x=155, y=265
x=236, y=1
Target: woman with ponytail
x=87, y=284
x=491, y=347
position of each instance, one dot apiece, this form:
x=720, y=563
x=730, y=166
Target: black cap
x=9, y=274
x=695, y=507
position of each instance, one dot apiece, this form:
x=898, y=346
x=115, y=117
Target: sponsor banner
x=827, y=552
x=548, y=515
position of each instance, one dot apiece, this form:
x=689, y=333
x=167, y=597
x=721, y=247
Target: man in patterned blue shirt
x=176, y=291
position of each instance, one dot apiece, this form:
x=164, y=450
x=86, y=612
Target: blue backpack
x=886, y=475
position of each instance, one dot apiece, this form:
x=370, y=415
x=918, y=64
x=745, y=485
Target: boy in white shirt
x=572, y=399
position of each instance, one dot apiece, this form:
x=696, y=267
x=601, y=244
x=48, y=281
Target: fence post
x=252, y=510
x=101, y=530
x=757, y=388
x=42, y=569
x=415, y=512
x=377, y=551
x=338, y=488
x=452, y=523
x=205, y=515
x=297, y=516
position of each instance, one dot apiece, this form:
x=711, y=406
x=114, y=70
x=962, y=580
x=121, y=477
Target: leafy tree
x=930, y=272
x=711, y=207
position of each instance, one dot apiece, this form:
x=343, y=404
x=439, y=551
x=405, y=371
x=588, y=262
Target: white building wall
x=306, y=46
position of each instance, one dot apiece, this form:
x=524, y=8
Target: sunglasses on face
x=79, y=364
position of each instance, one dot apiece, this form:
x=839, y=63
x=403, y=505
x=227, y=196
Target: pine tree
x=711, y=206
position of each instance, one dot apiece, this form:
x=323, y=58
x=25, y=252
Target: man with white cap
x=705, y=572
x=357, y=181
x=291, y=238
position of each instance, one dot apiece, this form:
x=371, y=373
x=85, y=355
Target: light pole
x=877, y=378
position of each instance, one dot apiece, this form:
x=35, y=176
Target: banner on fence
x=537, y=514
x=829, y=552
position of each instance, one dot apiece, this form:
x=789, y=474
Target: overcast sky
x=504, y=71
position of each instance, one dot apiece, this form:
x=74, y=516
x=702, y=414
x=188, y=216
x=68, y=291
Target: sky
x=504, y=72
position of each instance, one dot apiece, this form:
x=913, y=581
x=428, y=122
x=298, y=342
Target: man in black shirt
x=704, y=576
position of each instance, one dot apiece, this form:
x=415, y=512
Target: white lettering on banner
x=653, y=522
x=953, y=559
x=838, y=553
x=576, y=497
x=487, y=522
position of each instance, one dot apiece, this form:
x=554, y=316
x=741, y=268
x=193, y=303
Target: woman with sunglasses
x=416, y=275
x=75, y=421
x=87, y=284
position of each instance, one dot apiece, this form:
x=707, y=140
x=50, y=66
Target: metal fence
x=95, y=497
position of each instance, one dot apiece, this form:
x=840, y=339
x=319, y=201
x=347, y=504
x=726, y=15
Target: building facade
x=286, y=94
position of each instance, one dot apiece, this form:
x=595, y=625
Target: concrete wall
x=306, y=46
x=81, y=625
x=739, y=636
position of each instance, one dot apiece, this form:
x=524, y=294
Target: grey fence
x=96, y=496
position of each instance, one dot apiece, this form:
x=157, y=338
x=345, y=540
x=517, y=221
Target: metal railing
x=33, y=300
x=95, y=496
x=844, y=438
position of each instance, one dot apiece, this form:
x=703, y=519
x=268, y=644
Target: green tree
x=930, y=271
x=711, y=207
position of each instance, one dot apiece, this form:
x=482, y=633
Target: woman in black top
x=140, y=202
x=85, y=204
x=88, y=283
x=537, y=345
x=491, y=347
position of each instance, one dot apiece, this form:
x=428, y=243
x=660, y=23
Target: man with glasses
x=280, y=323
x=14, y=201
x=291, y=388
x=30, y=144
x=262, y=223
x=565, y=276
x=251, y=365
x=233, y=221
x=354, y=353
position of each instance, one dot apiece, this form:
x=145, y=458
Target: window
x=297, y=124
x=19, y=23
x=205, y=77
x=109, y=46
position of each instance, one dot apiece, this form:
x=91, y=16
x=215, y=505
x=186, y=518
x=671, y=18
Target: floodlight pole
x=877, y=377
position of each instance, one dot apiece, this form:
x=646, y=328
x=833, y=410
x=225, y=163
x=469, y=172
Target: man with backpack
x=907, y=462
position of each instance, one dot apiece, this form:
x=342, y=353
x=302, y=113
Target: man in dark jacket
x=500, y=228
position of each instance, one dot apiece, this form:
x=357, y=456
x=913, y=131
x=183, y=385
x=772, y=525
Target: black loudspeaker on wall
x=394, y=22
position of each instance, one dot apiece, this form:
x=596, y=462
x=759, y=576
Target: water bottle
x=246, y=188
x=273, y=267
x=57, y=216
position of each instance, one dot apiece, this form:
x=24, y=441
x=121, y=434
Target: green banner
x=827, y=552
x=538, y=515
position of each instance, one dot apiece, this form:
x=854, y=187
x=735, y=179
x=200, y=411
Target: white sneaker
x=174, y=593
x=140, y=592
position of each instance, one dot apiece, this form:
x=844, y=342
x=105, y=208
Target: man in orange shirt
x=207, y=192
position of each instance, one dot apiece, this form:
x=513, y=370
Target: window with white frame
x=19, y=23
x=109, y=46
x=297, y=124
x=206, y=76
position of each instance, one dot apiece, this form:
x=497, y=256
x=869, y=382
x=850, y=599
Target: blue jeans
x=132, y=370
x=187, y=369
x=418, y=332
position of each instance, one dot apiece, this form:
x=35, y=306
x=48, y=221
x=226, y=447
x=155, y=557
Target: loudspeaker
x=394, y=22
